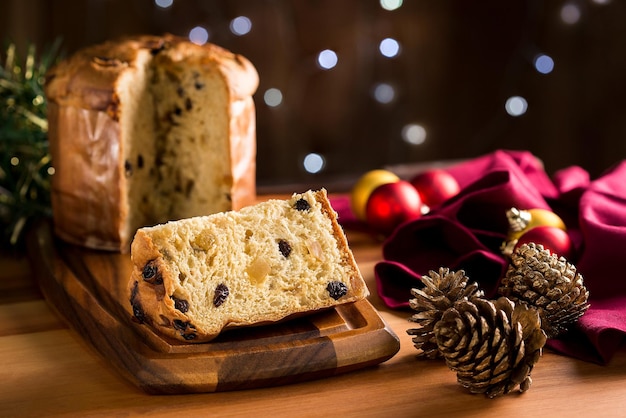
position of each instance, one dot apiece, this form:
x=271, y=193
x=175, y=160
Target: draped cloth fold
x=466, y=233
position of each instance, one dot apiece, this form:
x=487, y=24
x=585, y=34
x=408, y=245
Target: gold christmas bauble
x=364, y=188
x=521, y=221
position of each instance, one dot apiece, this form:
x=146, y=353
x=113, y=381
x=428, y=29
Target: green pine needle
x=25, y=168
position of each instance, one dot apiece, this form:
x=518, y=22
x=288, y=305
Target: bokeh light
x=199, y=35
x=516, y=106
x=414, y=134
x=313, y=163
x=389, y=47
x=544, y=64
x=327, y=59
x=164, y=4
x=273, y=97
x=240, y=25
x=390, y=4
x=570, y=13
x=384, y=93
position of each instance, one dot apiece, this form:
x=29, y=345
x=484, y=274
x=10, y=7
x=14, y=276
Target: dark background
x=459, y=62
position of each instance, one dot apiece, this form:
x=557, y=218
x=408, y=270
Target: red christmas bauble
x=552, y=238
x=391, y=204
x=435, y=186
x=365, y=186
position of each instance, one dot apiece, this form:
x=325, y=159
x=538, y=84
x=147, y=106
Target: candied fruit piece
x=203, y=241
x=258, y=270
x=315, y=249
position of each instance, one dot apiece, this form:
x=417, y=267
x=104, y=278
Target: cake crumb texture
x=192, y=278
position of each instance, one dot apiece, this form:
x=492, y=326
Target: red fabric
x=467, y=231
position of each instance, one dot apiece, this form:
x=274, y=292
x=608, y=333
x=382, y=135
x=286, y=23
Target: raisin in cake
x=194, y=277
x=148, y=129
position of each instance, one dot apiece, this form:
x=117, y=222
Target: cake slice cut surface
x=194, y=277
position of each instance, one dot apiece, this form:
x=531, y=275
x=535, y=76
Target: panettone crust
x=89, y=193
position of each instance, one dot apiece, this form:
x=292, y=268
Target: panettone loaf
x=194, y=277
x=148, y=129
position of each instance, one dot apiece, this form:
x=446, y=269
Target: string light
x=273, y=97
x=414, y=134
x=313, y=163
x=389, y=47
x=390, y=4
x=164, y=4
x=544, y=64
x=384, y=93
x=570, y=13
x=516, y=106
x=240, y=25
x=199, y=35
x=327, y=59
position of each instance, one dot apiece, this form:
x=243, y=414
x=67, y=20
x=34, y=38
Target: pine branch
x=25, y=168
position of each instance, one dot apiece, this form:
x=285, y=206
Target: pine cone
x=492, y=345
x=439, y=293
x=542, y=280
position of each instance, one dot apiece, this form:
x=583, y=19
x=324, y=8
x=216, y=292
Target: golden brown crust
x=87, y=185
x=150, y=301
x=243, y=153
x=89, y=189
x=356, y=281
x=88, y=78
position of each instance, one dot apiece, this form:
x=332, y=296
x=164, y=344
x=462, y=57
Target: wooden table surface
x=47, y=370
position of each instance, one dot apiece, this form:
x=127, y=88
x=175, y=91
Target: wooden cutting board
x=86, y=286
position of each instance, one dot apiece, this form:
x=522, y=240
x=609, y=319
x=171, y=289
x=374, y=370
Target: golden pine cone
x=549, y=283
x=491, y=345
x=441, y=290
